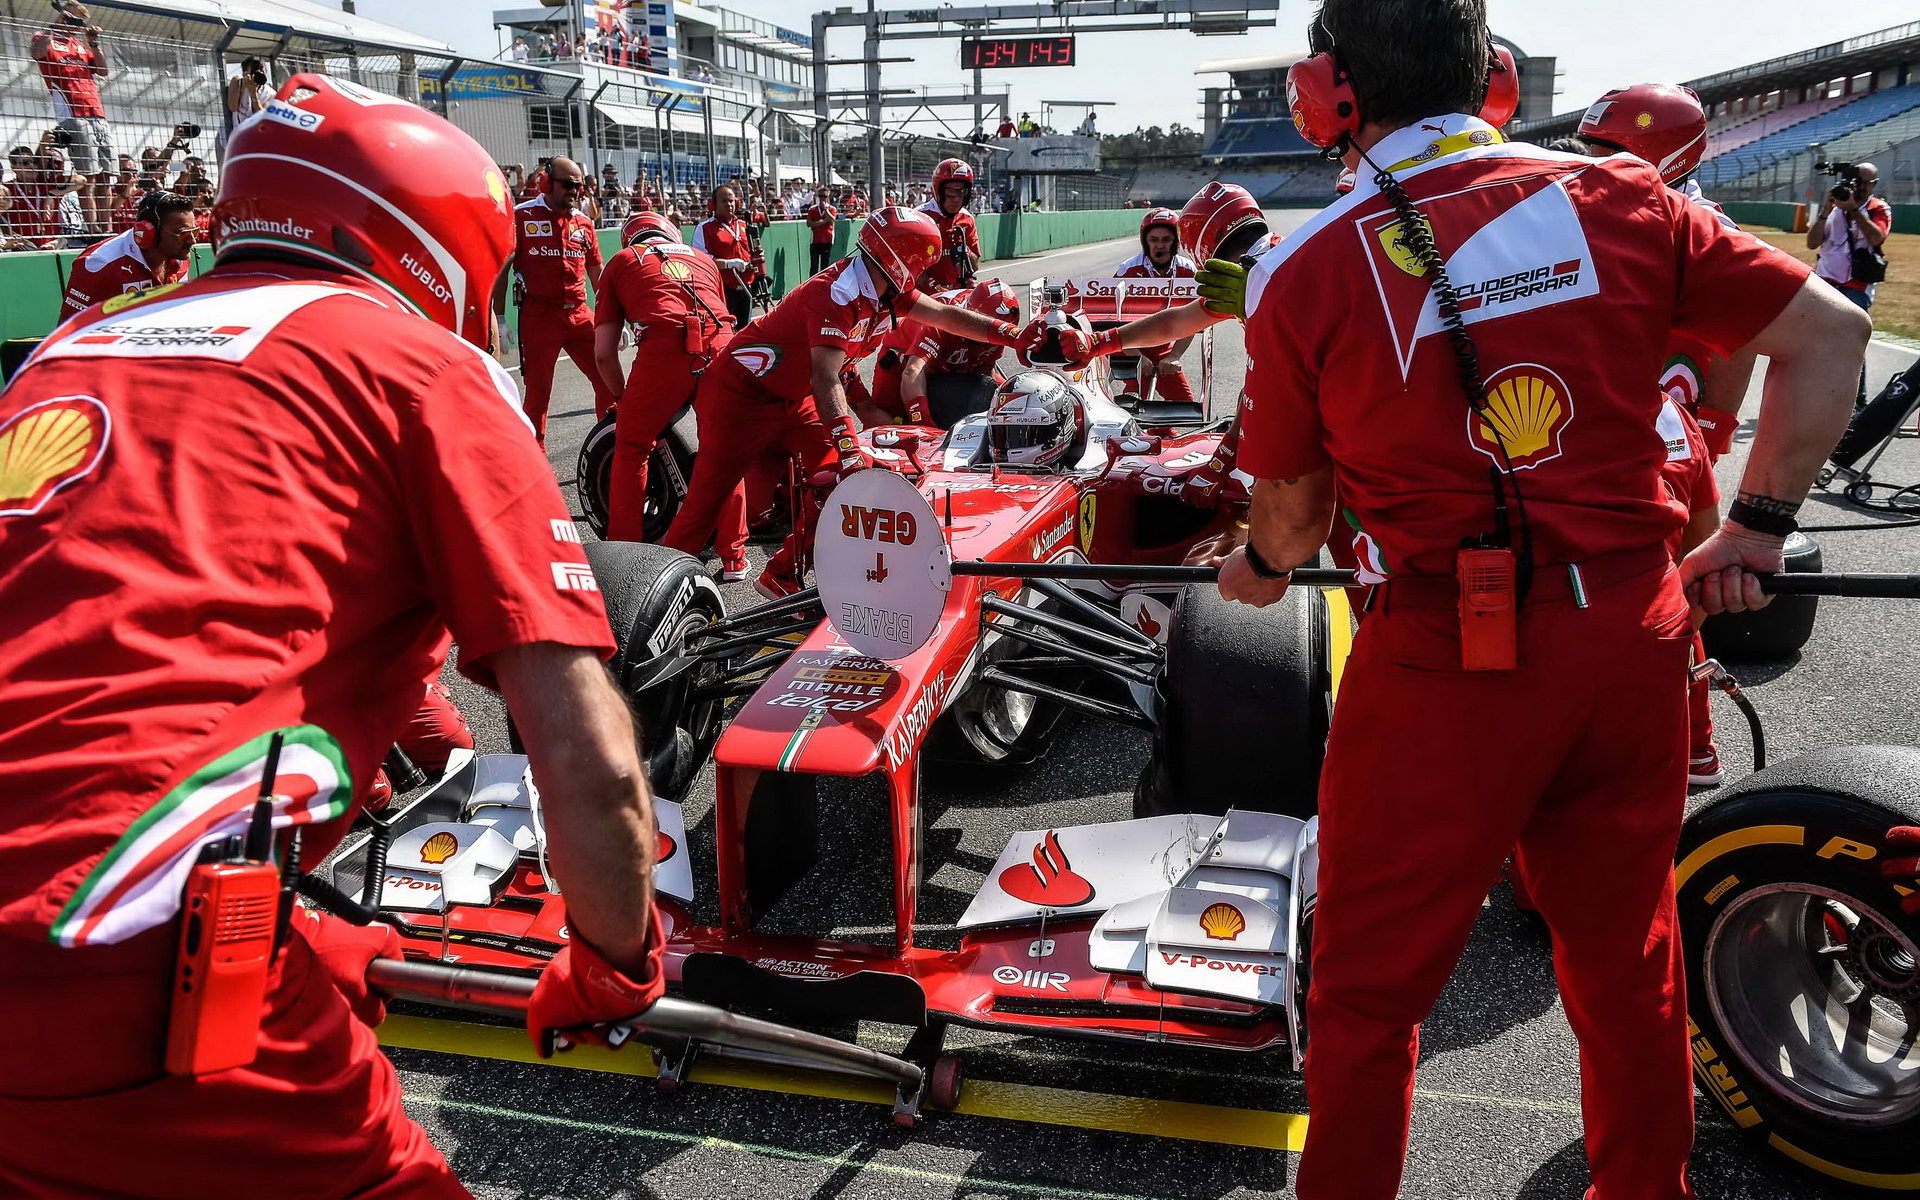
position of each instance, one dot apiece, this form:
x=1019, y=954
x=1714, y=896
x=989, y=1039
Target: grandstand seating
x=1256, y=137
x=1828, y=128
x=1875, y=138
x=1312, y=182
x=1753, y=128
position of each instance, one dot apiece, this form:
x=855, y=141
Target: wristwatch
x=1261, y=568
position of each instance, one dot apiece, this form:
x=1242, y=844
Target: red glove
x=846, y=445
x=1904, y=837
x=1006, y=333
x=1080, y=348
x=580, y=993
x=345, y=951
x=1717, y=427
x=1204, y=485
x=1029, y=340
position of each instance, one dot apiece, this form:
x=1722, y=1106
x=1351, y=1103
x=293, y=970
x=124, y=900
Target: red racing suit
x=956, y=229
x=760, y=392
x=114, y=267
x=1571, y=273
x=1171, y=379
x=730, y=245
x=671, y=296
x=183, y=580
x=553, y=258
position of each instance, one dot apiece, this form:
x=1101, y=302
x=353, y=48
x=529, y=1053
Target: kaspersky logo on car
x=758, y=360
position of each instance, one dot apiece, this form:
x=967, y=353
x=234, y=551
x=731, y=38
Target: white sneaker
x=733, y=575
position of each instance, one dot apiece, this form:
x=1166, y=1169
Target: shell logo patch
x=673, y=268
x=1528, y=409
x=47, y=447
x=1223, y=922
x=758, y=360
x=1644, y=120
x=537, y=228
x=439, y=848
x=137, y=296
x=496, y=187
x=1399, y=248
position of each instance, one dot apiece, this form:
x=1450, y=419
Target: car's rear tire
x=654, y=595
x=1803, y=977
x=668, y=472
x=1779, y=629
x=1245, y=707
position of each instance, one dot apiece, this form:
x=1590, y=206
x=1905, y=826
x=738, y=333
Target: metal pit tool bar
x=494, y=991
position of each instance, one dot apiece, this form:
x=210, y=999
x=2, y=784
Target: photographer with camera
x=1848, y=234
x=247, y=93
x=72, y=64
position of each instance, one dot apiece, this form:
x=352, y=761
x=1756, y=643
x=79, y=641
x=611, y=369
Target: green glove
x=1223, y=285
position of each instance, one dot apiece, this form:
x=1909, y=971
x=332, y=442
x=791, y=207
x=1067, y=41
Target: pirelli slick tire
x=654, y=596
x=1236, y=678
x=1803, y=974
x=668, y=473
x=1779, y=629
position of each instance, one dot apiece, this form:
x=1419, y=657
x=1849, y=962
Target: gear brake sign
x=882, y=564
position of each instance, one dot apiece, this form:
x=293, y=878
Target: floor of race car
x=1497, y=1112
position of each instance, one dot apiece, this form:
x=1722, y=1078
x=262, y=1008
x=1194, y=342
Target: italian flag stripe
x=137, y=884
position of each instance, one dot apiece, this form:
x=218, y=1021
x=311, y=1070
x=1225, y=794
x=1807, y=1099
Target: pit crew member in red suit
x=153, y=252
x=185, y=580
x=779, y=380
x=670, y=295
x=1160, y=258
x=959, y=236
x=857, y=204
x=724, y=236
x=1418, y=809
x=555, y=256
x=1665, y=125
x=934, y=353
x=821, y=216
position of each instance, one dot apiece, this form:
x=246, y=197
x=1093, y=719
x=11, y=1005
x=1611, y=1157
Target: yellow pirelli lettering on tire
x=1837, y=846
x=1739, y=839
x=1721, y=1084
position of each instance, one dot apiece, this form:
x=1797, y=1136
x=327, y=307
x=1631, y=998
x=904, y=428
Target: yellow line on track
x=979, y=1098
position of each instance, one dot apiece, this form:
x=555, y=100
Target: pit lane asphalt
x=1497, y=1114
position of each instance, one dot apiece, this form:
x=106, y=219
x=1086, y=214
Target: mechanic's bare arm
x=1168, y=325
x=1870, y=230
x=828, y=394
x=1815, y=345
x=606, y=354
x=962, y=322
x=594, y=797
x=500, y=294
x=1725, y=384
x=1817, y=228
x=913, y=382
x=1289, y=519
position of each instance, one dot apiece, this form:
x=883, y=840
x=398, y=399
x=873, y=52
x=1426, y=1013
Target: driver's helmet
x=1035, y=420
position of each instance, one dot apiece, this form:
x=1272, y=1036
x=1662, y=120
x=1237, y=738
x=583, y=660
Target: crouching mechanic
x=186, y=581
x=779, y=380
x=1664, y=124
x=1160, y=258
x=673, y=299
x=150, y=254
x=946, y=376
x=555, y=255
x=1511, y=444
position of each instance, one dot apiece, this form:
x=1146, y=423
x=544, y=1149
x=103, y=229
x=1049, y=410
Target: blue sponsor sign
x=488, y=81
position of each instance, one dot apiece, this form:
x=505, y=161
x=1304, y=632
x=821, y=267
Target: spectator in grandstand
x=542, y=47
x=153, y=250
x=247, y=93
x=126, y=194
x=1027, y=127
x=38, y=176
x=72, y=64
x=1005, y=129
x=203, y=212
x=193, y=173
x=643, y=53
x=1848, y=234
x=615, y=204
x=518, y=51
x=10, y=236
x=1087, y=127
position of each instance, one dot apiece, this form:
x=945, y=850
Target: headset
x=1326, y=109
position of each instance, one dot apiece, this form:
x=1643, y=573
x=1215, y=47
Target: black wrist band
x=1261, y=568
x=1761, y=521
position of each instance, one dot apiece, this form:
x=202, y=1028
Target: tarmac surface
x=1497, y=1111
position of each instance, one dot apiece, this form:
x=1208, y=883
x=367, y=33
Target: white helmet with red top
x=1035, y=419
x=334, y=172
x=902, y=244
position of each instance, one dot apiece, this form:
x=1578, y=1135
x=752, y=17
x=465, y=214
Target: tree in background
x=1176, y=145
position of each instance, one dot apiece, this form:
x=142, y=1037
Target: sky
x=1601, y=44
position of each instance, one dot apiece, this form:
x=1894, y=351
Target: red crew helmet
x=1661, y=123
x=332, y=171
x=990, y=298
x=1214, y=213
x=1160, y=216
x=952, y=170
x=902, y=243
x=648, y=225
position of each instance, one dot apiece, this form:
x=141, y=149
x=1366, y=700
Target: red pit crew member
x=1524, y=431
x=821, y=216
x=671, y=296
x=935, y=354
x=1663, y=124
x=555, y=255
x=1160, y=258
x=187, y=580
x=150, y=254
x=724, y=236
x=959, y=236
x=779, y=381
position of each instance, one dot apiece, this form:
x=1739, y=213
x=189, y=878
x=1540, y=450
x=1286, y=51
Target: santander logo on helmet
x=344, y=189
